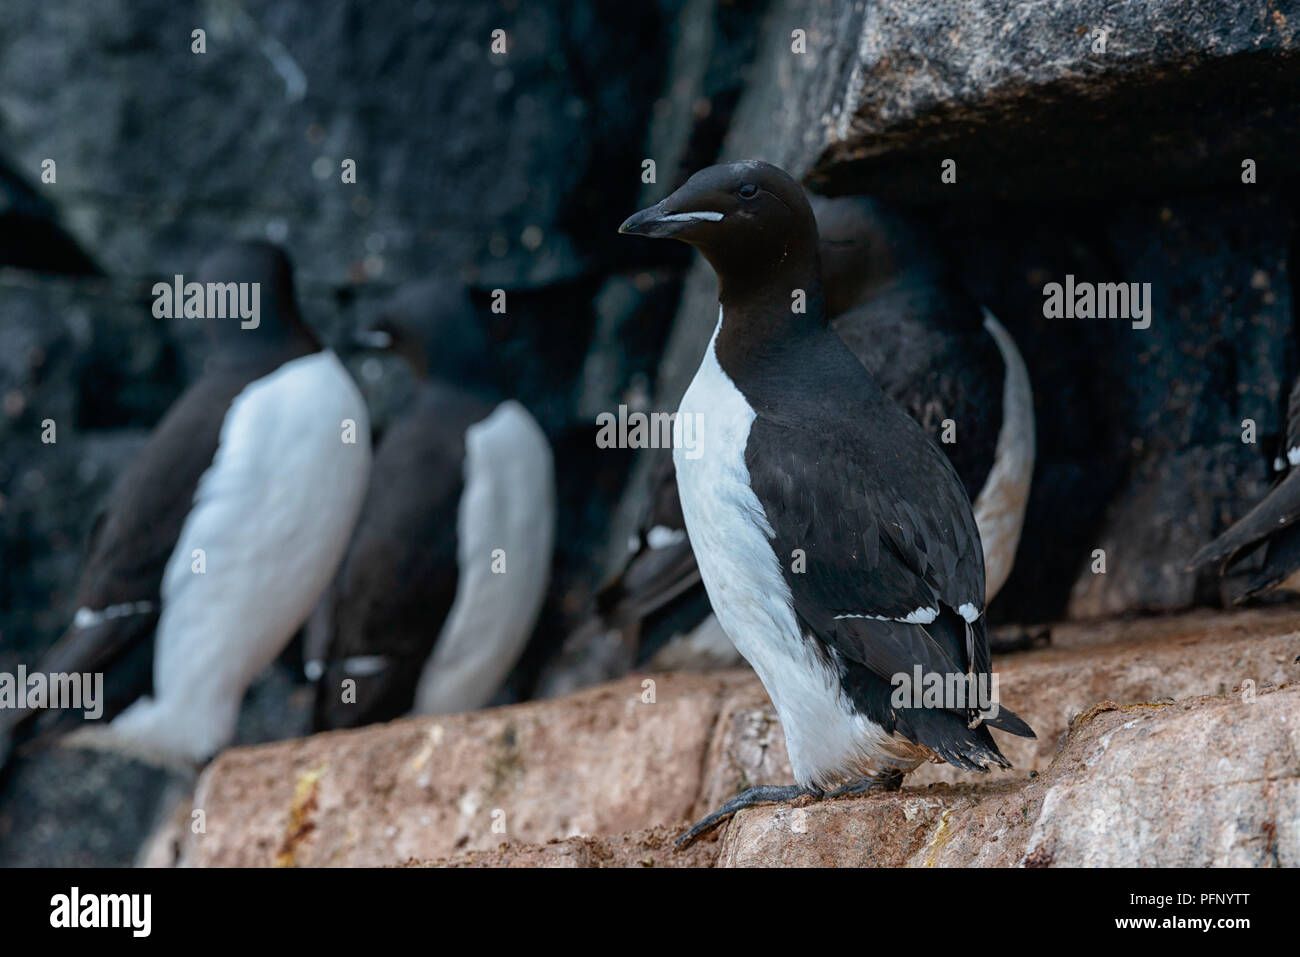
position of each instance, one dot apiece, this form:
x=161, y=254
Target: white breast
x=1000, y=505
x=505, y=529
x=272, y=516
x=731, y=537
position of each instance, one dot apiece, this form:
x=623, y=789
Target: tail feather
x=120, y=643
x=1010, y=722
x=948, y=736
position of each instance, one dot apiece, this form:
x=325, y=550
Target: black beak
x=648, y=222
x=658, y=222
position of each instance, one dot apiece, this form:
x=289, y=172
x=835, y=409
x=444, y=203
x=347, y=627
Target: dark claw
x=763, y=794
x=890, y=779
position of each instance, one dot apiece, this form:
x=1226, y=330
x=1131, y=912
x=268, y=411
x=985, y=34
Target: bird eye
x=748, y=191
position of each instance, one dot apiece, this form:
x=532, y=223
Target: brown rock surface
x=599, y=762
x=650, y=848
x=1191, y=761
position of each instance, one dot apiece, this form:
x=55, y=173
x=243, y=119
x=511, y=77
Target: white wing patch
x=922, y=616
x=508, y=504
x=272, y=516
x=88, y=617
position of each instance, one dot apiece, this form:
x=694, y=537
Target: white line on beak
x=706, y=216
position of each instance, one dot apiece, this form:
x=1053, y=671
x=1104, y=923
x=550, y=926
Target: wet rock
x=50, y=496
x=620, y=364
x=66, y=807
x=31, y=236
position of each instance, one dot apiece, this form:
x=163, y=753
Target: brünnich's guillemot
x=946, y=360
x=447, y=571
x=835, y=541
x=893, y=299
x=218, y=539
x=1271, y=524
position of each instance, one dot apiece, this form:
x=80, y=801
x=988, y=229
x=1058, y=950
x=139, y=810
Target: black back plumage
x=884, y=529
x=897, y=304
x=1276, y=511
x=925, y=345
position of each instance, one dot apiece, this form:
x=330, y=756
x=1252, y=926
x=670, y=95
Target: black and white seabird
x=448, y=569
x=939, y=355
x=835, y=541
x=896, y=304
x=1271, y=524
x=216, y=542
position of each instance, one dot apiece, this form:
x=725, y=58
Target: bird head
x=433, y=326
x=745, y=217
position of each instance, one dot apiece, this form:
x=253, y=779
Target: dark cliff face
x=1113, y=163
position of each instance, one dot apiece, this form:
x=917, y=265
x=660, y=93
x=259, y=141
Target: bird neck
x=276, y=339
x=766, y=316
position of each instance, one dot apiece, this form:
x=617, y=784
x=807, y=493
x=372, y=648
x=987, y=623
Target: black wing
x=1281, y=561
x=1276, y=511
x=925, y=345
x=885, y=532
x=876, y=517
x=653, y=574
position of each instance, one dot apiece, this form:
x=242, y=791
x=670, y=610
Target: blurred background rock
x=514, y=171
